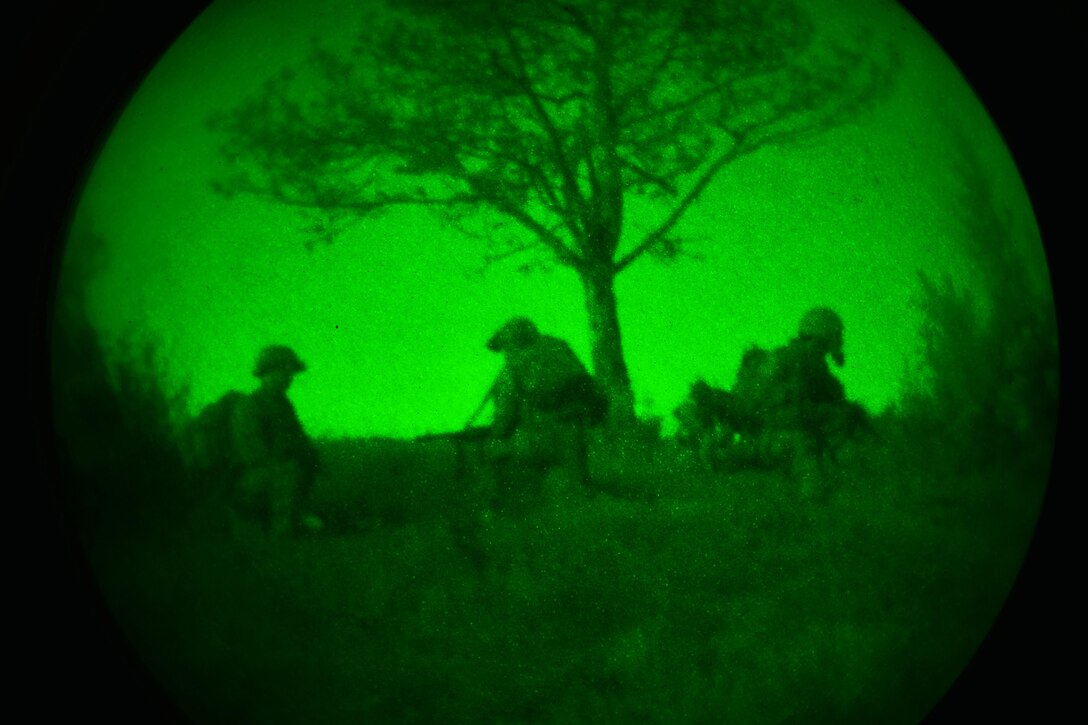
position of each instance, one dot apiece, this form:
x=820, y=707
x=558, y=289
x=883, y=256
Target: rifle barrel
x=483, y=404
x=463, y=434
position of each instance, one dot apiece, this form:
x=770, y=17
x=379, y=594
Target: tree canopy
x=546, y=117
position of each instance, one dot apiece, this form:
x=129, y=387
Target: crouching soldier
x=544, y=401
x=796, y=397
x=278, y=460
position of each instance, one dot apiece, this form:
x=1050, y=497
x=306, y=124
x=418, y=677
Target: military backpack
x=210, y=436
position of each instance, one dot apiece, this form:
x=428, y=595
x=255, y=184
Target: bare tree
x=532, y=123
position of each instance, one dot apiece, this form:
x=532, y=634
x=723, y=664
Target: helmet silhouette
x=278, y=357
x=515, y=332
x=825, y=325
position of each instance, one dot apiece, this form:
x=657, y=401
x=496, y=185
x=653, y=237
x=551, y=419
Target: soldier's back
x=552, y=380
x=545, y=364
x=754, y=389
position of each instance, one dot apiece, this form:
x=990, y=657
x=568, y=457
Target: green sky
x=392, y=318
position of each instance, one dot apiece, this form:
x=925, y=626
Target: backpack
x=550, y=378
x=589, y=402
x=210, y=436
x=753, y=389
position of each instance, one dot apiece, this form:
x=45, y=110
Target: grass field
x=671, y=595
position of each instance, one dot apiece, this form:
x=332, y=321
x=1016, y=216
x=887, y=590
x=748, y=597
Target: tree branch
x=548, y=237
x=571, y=192
x=547, y=197
x=337, y=202
x=545, y=190
x=492, y=258
x=738, y=149
x=653, y=75
x=659, y=181
x=658, y=114
x=814, y=120
x=581, y=22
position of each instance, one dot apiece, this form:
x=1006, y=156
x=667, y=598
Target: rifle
x=462, y=440
x=468, y=433
x=483, y=404
x=458, y=436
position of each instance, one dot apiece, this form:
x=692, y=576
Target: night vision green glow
x=392, y=317
x=663, y=185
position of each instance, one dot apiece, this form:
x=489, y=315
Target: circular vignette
x=1017, y=644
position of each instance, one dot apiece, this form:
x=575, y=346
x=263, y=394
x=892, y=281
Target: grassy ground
x=673, y=595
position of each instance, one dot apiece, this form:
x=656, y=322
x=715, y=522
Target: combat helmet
x=515, y=332
x=825, y=325
x=277, y=357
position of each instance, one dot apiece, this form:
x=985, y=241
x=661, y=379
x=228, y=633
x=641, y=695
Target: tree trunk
x=607, y=347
